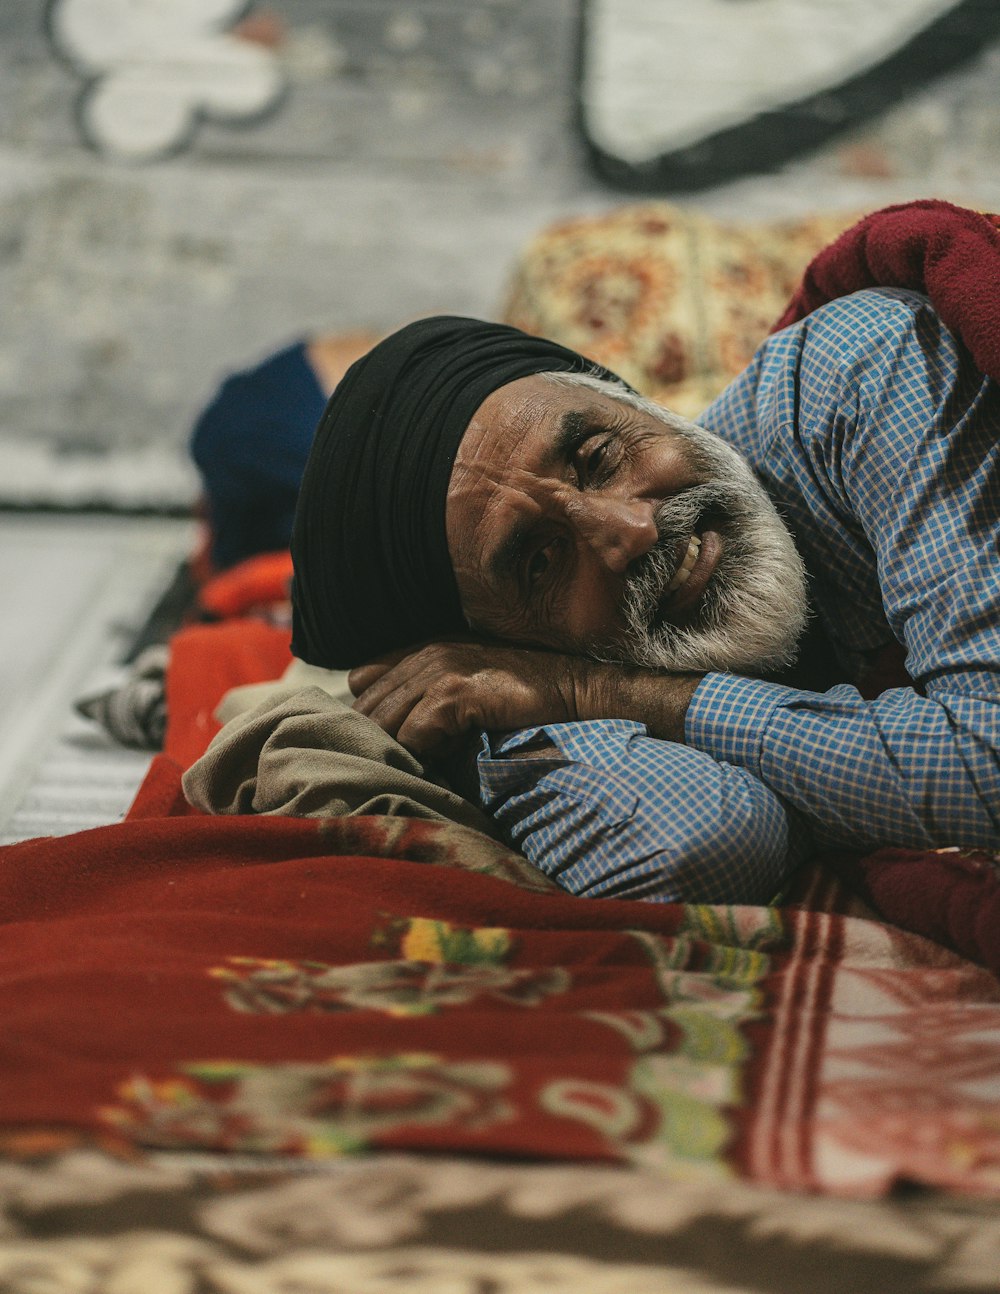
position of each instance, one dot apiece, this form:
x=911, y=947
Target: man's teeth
x=687, y=565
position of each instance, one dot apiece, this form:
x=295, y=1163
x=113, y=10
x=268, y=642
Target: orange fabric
x=260, y=581
x=205, y=662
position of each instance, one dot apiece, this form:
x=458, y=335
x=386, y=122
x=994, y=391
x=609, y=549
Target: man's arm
x=600, y=807
x=609, y=812
x=431, y=697
x=593, y=801
x=880, y=441
x=902, y=769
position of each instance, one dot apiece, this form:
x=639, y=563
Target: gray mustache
x=676, y=520
x=678, y=517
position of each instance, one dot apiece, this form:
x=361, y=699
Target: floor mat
x=77, y=590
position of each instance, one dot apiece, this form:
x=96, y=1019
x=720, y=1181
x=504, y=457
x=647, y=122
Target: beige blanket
x=305, y=754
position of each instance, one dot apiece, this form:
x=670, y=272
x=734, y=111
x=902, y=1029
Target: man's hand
x=429, y=698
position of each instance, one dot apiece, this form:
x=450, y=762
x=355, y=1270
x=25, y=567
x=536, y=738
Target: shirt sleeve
x=902, y=769
x=607, y=811
x=880, y=441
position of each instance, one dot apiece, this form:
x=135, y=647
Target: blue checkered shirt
x=880, y=443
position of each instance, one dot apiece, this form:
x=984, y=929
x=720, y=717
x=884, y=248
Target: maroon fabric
x=945, y=895
x=118, y=943
x=312, y=988
x=948, y=252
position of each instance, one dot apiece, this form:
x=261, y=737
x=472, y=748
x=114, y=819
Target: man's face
x=579, y=523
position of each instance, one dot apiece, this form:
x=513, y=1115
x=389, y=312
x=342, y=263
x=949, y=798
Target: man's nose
x=618, y=530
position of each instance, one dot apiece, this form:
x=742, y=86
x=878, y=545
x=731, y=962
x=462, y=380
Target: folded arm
x=902, y=769
x=879, y=439
x=607, y=811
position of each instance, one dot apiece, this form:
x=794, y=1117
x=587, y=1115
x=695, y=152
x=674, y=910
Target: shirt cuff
x=593, y=741
x=729, y=715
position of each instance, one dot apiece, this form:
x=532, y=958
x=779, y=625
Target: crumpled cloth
x=296, y=678
x=134, y=711
x=305, y=754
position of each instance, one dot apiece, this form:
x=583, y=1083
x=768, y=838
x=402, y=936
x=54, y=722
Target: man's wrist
x=660, y=701
x=664, y=701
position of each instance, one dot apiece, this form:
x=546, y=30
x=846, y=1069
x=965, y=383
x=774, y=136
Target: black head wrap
x=370, y=552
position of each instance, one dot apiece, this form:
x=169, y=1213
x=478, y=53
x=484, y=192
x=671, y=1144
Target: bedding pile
x=311, y=987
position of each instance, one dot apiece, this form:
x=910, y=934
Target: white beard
x=754, y=608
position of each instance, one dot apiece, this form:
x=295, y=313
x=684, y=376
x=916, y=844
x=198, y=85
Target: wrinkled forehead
x=506, y=425
x=506, y=455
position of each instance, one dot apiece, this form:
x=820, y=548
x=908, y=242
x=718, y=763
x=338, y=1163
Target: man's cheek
x=590, y=617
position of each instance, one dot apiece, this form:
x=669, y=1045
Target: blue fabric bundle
x=251, y=444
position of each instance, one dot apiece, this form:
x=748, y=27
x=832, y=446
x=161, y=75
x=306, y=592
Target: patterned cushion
x=674, y=301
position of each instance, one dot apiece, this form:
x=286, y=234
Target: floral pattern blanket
x=314, y=988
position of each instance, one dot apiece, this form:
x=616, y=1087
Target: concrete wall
x=387, y=159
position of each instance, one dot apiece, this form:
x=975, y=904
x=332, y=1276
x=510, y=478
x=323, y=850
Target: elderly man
x=501, y=538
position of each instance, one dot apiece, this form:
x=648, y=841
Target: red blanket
x=311, y=988
x=947, y=252
x=273, y=985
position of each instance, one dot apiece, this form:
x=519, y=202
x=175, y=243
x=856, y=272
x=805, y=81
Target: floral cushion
x=674, y=301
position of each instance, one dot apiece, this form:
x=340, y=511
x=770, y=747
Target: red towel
x=948, y=252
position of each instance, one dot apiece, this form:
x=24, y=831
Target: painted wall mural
x=153, y=70
x=677, y=96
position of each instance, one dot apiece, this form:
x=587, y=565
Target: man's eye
x=538, y=564
x=593, y=460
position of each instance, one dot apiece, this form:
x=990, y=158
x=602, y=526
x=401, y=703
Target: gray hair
x=615, y=389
